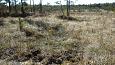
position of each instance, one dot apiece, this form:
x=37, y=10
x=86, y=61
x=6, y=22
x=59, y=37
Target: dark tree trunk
x=22, y=7
x=30, y=6
x=33, y=7
x=68, y=7
x=15, y=7
x=9, y=6
x=40, y=6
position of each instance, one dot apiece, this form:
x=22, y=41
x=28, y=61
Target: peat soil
x=42, y=56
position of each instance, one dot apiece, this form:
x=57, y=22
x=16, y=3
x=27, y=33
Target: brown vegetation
x=49, y=40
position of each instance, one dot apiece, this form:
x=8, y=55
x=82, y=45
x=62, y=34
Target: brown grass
x=88, y=42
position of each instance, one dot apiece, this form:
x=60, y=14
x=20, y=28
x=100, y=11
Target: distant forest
x=105, y=6
x=27, y=8
x=82, y=8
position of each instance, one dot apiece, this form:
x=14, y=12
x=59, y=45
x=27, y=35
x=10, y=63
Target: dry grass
x=87, y=42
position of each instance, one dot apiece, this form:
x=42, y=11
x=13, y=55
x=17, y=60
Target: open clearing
x=52, y=41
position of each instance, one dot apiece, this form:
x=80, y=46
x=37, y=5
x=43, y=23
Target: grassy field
x=48, y=40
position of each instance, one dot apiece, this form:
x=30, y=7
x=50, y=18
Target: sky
x=52, y=2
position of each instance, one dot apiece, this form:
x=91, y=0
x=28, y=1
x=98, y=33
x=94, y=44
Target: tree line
x=13, y=6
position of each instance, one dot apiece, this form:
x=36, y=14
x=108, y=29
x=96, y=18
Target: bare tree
x=9, y=3
x=22, y=7
x=15, y=6
x=33, y=6
x=68, y=3
x=68, y=7
x=30, y=6
x=41, y=6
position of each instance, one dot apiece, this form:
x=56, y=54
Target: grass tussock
x=68, y=18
